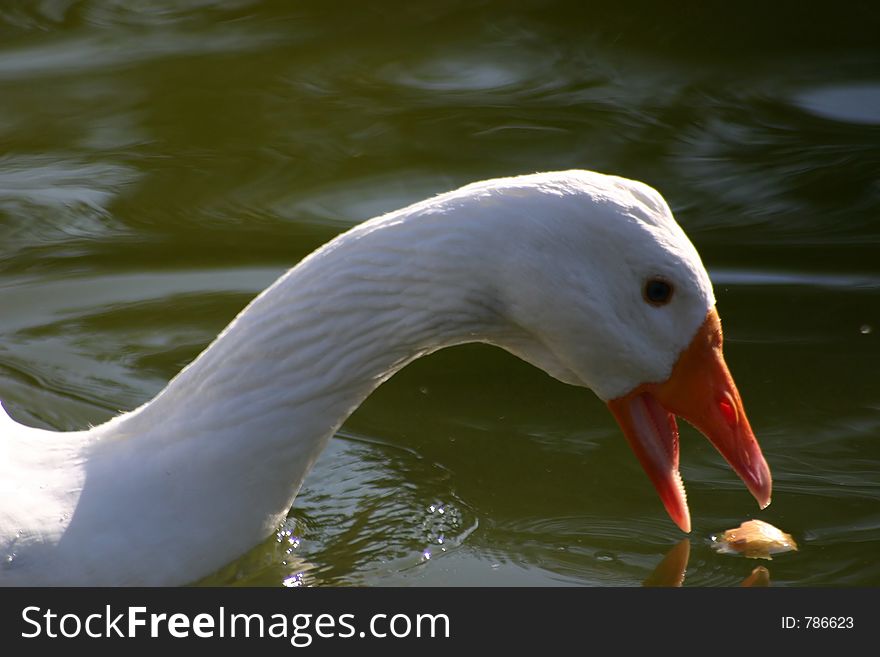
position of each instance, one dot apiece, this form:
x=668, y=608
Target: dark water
x=162, y=162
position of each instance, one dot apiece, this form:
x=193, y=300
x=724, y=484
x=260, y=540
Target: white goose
x=586, y=276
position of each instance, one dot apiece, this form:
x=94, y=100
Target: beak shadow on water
x=671, y=571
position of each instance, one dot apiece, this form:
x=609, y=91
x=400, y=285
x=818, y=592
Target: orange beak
x=700, y=390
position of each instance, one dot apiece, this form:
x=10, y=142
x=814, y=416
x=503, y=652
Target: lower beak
x=700, y=390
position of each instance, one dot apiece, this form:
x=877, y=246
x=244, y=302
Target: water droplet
x=294, y=580
x=864, y=329
x=432, y=508
x=605, y=556
x=423, y=390
x=9, y=559
x=286, y=535
x=426, y=555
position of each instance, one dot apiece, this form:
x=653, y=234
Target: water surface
x=160, y=163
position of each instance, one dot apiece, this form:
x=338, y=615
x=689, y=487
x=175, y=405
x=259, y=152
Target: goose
x=586, y=276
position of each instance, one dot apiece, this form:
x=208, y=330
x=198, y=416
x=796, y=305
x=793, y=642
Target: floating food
x=755, y=539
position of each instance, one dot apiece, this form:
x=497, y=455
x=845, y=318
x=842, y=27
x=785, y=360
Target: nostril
x=728, y=410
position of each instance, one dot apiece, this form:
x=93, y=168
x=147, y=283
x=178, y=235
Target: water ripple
x=722, y=276
x=857, y=103
x=93, y=53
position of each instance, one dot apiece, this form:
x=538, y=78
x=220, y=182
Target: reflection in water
x=760, y=577
x=671, y=571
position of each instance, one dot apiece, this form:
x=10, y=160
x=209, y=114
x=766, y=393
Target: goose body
x=552, y=267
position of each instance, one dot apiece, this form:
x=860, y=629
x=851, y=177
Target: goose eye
x=657, y=291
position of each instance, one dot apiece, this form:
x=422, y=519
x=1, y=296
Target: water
x=162, y=162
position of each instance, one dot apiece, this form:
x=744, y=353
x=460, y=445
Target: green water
x=160, y=163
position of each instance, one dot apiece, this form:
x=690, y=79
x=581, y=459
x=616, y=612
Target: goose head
x=631, y=316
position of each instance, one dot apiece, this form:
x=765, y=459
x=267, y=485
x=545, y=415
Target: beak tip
x=683, y=522
x=760, y=484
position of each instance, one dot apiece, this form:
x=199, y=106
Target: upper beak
x=700, y=390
